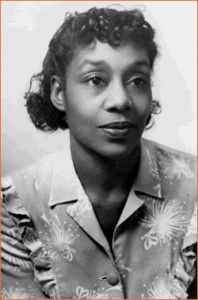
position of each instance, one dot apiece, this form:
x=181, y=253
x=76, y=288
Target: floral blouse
x=54, y=247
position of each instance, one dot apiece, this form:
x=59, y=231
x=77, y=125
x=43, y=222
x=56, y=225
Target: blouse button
x=112, y=279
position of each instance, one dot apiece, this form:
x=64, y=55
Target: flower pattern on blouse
x=178, y=168
x=159, y=289
x=15, y=293
x=164, y=220
x=192, y=227
x=82, y=206
x=79, y=208
x=122, y=265
x=165, y=287
x=57, y=249
x=153, y=169
x=99, y=293
x=60, y=242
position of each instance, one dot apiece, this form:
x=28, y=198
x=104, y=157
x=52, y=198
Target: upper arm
x=17, y=268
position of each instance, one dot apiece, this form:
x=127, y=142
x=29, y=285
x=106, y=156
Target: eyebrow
x=142, y=63
x=99, y=63
x=94, y=63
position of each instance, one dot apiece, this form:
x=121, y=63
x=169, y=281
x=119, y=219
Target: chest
x=108, y=214
x=108, y=210
x=74, y=245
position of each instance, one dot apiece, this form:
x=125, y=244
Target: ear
x=57, y=93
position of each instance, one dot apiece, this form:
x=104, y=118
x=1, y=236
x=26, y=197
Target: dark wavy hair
x=107, y=25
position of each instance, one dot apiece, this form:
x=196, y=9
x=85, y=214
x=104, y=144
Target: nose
x=118, y=98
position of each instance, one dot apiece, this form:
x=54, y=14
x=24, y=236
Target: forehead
x=98, y=53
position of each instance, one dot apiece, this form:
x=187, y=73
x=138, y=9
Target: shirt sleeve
x=18, y=280
x=185, y=269
x=190, y=255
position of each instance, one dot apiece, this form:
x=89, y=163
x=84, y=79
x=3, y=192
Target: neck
x=104, y=174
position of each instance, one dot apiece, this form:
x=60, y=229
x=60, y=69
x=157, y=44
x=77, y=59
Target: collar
x=148, y=179
x=65, y=182
x=65, y=185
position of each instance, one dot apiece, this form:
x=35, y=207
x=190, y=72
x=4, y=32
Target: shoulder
x=21, y=250
x=21, y=188
x=19, y=195
x=177, y=174
x=165, y=150
x=173, y=163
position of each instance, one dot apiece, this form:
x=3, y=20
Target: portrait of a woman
x=115, y=216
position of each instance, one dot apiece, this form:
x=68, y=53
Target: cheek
x=80, y=106
x=79, y=115
x=143, y=106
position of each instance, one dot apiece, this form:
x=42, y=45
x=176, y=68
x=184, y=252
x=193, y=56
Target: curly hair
x=106, y=25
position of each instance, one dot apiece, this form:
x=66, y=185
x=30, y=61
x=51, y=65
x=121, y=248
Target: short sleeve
x=185, y=269
x=191, y=233
x=18, y=279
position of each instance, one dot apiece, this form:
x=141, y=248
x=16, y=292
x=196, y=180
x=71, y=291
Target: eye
x=96, y=81
x=139, y=82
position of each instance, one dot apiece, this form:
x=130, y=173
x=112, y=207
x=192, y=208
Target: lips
x=118, y=125
x=118, y=130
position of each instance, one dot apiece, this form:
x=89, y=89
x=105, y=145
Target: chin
x=116, y=152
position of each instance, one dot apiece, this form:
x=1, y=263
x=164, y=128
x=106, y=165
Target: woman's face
x=108, y=98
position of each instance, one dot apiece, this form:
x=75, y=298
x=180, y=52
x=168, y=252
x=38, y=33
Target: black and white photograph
x=99, y=136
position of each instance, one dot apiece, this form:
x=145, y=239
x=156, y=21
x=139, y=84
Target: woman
x=116, y=217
